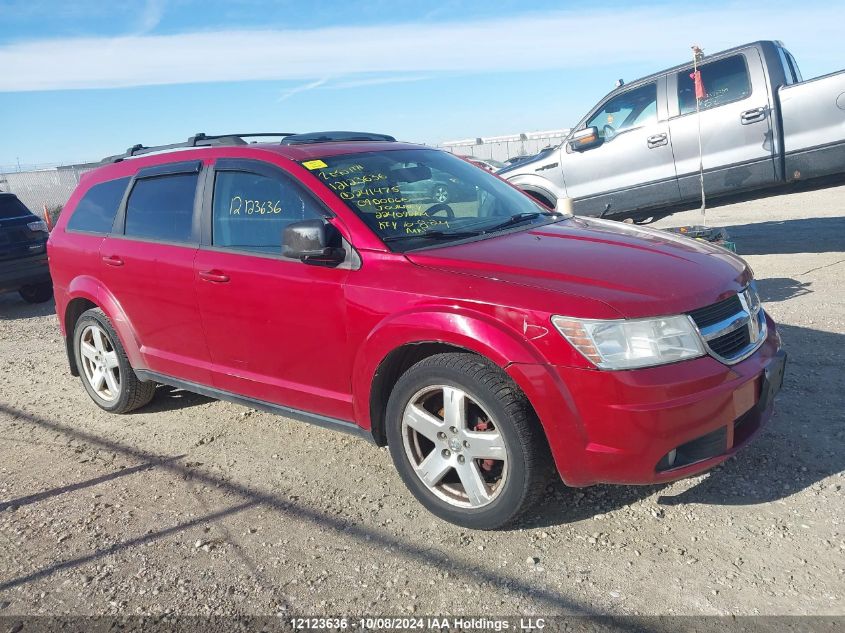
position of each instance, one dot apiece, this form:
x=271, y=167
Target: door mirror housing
x=314, y=242
x=585, y=139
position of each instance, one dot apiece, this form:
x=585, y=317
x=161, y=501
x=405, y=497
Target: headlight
x=39, y=225
x=625, y=344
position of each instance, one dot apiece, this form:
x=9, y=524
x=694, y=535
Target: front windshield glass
x=410, y=198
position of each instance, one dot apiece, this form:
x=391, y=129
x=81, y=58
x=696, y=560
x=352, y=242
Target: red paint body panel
x=313, y=338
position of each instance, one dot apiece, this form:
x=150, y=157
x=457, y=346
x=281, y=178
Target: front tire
x=466, y=442
x=104, y=368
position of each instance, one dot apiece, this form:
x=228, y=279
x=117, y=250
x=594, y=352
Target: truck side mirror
x=585, y=139
x=313, y=242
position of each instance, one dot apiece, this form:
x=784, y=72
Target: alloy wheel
x=454, y=446
x=99, y=363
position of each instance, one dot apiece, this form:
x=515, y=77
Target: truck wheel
x=37, y=293
x=104, y=368
x=466, y=442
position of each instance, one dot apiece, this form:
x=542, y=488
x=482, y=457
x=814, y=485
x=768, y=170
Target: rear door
x=633, y=167
x=276, y=327
x=736, y=126
x=147, y=264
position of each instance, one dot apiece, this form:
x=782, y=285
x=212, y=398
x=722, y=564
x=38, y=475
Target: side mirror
x=313, y=242
x=585, y=139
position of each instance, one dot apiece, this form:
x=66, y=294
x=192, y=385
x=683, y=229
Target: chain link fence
x=42, y=188
x=503, y=148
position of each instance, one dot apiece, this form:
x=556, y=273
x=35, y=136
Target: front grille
x=732, y=343
x=712, y=314
x=733, y=327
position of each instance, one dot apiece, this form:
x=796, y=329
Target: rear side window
x=724, y=81
x=162, y=207
x=251, y=210
x=11, y=207
x=96, y=211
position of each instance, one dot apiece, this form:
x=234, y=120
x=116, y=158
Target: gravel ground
x=193, y=506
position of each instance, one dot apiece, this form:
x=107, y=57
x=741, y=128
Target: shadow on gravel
x=14, y=504
x=418, y=553
x=775, y=289
x=12, y=307
x=808, y=235
x=803, y=444
x=169, y=398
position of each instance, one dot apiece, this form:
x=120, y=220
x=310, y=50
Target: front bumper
x=16, y=273
x=656, y=424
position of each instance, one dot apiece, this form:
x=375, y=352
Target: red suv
x=486, y=340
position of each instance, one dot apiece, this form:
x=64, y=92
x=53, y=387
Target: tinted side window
x=251, y=211
x=96, y=211
x=628, y=110
x=162, y=207
x=724, y=81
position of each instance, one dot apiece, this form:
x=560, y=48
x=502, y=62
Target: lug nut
x=466, y=444
x=441, y=435
x=453, y=429
x=461, y=459
x=446, y=452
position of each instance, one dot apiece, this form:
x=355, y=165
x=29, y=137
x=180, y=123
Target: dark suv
x=487, y=340
x=23, y=251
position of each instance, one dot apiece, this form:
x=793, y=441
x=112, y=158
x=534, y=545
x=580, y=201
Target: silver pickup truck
x=636, y=154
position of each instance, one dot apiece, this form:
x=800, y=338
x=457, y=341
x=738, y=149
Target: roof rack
x=197, y=140
x=331, y=137
x=201, y=139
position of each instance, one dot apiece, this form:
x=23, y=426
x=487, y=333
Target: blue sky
x=81, y=79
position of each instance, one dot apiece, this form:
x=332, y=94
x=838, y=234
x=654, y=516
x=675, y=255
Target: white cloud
x=287, y=94
x=150, y=16
x=548, y=41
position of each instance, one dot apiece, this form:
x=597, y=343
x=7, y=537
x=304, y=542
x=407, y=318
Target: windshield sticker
x=314, y=164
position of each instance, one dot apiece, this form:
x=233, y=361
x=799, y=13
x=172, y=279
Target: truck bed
x=813, y=119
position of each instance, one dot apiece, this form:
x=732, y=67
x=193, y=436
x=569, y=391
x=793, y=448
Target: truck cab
x=636, y=153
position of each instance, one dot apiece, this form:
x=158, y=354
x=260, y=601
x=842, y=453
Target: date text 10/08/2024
x=475, y=624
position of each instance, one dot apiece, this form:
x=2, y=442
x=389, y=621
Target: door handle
x=113, y=260
x=753, y=116
x=214, y=275
x=657, y=140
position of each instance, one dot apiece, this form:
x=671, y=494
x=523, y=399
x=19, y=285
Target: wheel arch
x=85, y=293
x=407, y=339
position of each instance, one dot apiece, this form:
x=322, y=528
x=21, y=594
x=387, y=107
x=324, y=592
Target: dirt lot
x=201, y=507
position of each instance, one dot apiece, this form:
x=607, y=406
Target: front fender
x=470, y=330
x=85, y=287
x=534, y=183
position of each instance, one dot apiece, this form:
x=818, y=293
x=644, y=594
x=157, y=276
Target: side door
x=736, y=126
x=275, y=327
x=147, y=263
x=633, y=166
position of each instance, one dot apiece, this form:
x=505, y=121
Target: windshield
x=410, y=198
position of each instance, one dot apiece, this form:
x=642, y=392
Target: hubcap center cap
x=455, y=445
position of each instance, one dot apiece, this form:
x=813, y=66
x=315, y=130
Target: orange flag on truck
x=699, y=84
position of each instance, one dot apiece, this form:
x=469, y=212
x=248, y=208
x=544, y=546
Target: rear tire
x=466, y=441
x=104, y=368
x=37, y=293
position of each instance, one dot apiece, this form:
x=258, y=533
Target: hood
x=637, y=271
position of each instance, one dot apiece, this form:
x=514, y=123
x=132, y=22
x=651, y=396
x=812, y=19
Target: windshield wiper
x=435, y=235
x=518, y=219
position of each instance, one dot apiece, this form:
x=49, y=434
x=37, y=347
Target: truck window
x=162, y=208
x=251, y=211
x=794, y=66
x=626, y=111
x=96, y=211
x=724, y=81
